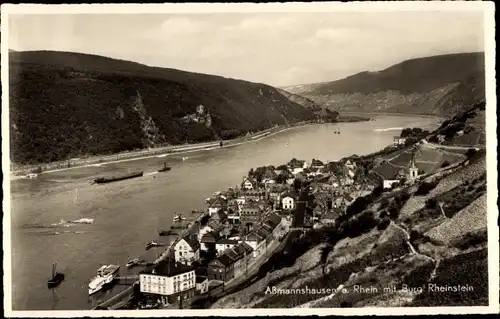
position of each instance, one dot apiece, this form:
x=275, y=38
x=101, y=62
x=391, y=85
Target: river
x=130, y=213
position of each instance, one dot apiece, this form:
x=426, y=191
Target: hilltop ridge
x=436, y=85
x=65, y=104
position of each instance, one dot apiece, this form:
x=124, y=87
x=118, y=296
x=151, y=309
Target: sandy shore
x=157, y=152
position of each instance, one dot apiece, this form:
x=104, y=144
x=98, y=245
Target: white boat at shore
x=31, y=175
x=83, y=221
x=105, y=275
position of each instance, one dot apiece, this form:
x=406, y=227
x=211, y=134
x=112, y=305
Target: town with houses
x=242, y=227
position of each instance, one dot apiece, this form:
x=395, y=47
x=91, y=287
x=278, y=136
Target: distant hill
x=305, y=102
x=64, y=104
x=438, y=85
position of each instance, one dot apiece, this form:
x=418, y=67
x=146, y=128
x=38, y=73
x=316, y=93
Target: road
x=19, y=172
x=451, y=147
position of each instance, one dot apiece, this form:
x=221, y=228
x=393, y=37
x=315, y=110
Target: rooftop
x=168, y=268
x=227, y=242
x=192, y=242
x=387, y=171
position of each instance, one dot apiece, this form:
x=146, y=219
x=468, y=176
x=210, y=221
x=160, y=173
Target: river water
x=130, y=213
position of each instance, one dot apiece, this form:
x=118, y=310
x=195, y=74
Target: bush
x=383, y=224
x=384, y=203
x=431, y=203
x=445, y=164
x=404, y=196
x=394, y=212
x=470, y=153
x=425, y=188
x=383, y=214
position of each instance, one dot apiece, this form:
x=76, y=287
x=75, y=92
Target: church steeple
x=413, y=168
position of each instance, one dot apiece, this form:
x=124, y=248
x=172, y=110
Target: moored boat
x=102, y=180
x=133, y=262
x=105, y=275
x=165, y=168
x=56, y=279
x=178, y=218
x=151, y=244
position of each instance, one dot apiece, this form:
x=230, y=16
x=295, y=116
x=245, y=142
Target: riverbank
x=361, y=114
x=21, y=171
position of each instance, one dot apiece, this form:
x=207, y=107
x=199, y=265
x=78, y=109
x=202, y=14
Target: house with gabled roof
x=317, y=164
x=296, y=166
x=288, y=200
x=220, y=217
x=253, y=240
x=221, y=268
x=243, y=253
x=208, y=240
x=248, y=183
x=187, y=250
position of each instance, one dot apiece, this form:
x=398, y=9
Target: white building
x=201, y=284
x=399, y=140
x=168, y=281
x=288, y=201
x=187, y=250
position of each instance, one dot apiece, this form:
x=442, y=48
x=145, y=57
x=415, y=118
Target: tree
x=394, y=212
x=470, y=153
x=406, y=132
x=417, y=131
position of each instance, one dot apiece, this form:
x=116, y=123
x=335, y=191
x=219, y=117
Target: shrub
x=445, y=164
x=481, y=188
x=404, y=195
x=470, y=153
x=377, y=191
x=425, y=188
x=394, y=212
x=383, y=224
x=384, y=202
x=431, y=203
x=383, y=214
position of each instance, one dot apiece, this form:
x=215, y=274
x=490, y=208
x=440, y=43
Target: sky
x=280, y=49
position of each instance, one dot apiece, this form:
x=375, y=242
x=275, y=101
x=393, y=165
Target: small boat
x=178, y=218
x=185, y=158
x=207, y=200
x=32, y=175
x=133, y=262
x=56, y=279
x=151, y=244
x=165, y=168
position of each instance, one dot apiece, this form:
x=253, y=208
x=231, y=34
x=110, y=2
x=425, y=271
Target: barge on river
x=102, y=180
